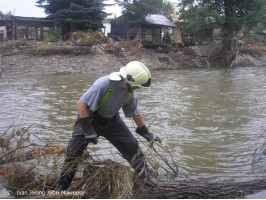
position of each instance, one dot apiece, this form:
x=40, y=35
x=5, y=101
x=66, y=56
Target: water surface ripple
x=211, y=120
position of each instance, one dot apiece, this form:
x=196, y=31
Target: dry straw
x=97, y=177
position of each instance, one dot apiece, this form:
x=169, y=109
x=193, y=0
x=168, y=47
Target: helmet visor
x=147, y=84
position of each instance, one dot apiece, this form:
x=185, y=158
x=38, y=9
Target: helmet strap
x=128, y=86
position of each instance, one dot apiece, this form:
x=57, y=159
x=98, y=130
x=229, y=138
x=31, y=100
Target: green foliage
x=45, y=47
x=231, y=16
x=136, y=10
x=75, y=14
x=256, y=18
x=9, y=14
x=169, y=11
x=55, y=37
x=199, y=18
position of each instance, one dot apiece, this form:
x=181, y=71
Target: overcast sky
x=27, y=8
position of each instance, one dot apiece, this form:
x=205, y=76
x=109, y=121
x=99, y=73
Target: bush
x=55, y=37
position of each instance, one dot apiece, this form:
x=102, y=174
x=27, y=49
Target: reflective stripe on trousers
x=116, y=132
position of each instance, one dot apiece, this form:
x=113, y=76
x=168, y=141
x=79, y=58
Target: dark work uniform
x=107, y=123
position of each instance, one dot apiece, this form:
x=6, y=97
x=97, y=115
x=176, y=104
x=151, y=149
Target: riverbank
x=31, y=59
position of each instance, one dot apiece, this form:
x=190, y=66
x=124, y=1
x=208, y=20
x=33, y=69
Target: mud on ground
x=21, y=58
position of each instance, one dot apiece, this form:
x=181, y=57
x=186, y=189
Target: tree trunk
x=178, y=190
x=107, y=179
x=76, y=50
x=171, y=189
x=229, y=46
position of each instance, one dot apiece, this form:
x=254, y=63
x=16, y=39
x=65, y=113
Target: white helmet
x=136, y=74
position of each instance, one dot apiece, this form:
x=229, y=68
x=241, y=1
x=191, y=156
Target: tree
x=232, y=16
x=9, y=14
x=139, y=9
x=75, y=14
x=169, y=11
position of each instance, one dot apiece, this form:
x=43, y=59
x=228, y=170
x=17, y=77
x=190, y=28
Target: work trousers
x=116, y=132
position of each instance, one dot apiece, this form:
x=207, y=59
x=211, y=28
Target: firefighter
x=98, y=115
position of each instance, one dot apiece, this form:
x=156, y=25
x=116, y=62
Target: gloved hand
x=150, y=137
x=85, y=123
x=88, y=129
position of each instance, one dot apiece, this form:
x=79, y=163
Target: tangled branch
x=96, y=176
x=259, y=151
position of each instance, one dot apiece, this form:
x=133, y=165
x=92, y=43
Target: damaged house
x=154, y=30
x=26, y=28
x=2, y=29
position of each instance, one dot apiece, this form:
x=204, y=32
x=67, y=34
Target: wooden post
x=139, y=32
x=14, y=31
x=41, y=33
x=2, y=36
x=36, y=33
x=160, y=35
x=27, y=32
x=52, y=28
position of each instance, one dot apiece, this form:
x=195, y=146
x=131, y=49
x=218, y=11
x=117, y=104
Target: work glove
x=89, y=132
x=150, y=137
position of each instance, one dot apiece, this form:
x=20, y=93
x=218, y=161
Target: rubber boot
x=60, y=188
x=149, y=178
x=67, y=173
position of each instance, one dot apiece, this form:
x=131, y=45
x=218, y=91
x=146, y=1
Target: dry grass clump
x=17, y=145
x=107, y=179
x=88, y=38
x=20, y=155
x=14, y=142
x=21, y=178
x=29, y=166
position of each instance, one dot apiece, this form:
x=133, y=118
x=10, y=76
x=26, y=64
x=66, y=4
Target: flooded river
x=211, y=120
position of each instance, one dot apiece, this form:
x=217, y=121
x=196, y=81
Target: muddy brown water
x=210, y=119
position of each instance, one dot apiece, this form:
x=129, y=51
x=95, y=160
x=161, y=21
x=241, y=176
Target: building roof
x=159, y=20
x=31, y=20
x=36, y=19
x=1, y=14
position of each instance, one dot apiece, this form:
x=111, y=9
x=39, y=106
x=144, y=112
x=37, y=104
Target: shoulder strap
x=106, y=96
x=129, y=96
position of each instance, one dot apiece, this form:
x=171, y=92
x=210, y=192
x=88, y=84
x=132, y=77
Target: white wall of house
x=107, y=28
x=3, y=28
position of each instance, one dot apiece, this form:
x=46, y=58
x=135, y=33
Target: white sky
x=27, y=8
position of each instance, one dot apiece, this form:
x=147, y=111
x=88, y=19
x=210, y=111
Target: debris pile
x=107, y=179
x=124, y=48
x=19, y=147
x=89, y=38
x=21, y=160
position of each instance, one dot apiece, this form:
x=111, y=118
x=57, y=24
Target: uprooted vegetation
x=260, y=150
x=78, y=43
x=31, y=163
x=98, y=51
x=89, y=38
